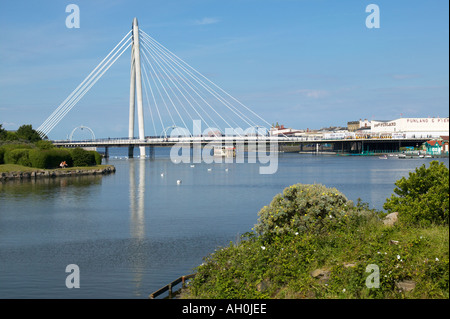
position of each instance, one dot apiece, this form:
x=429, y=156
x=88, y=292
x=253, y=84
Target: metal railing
x=169, y=287
x=212, y=139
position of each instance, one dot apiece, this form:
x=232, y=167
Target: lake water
x=134, y=231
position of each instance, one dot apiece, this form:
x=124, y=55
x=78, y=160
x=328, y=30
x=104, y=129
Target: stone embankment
x=39, y=173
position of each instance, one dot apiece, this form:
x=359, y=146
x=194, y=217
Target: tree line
x=23, y=133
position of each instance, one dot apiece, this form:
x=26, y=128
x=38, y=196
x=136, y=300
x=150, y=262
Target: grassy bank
x=311, y=242
x=21, y=172
x=332, y=265
x=9, y=168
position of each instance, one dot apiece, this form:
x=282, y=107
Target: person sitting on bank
x=63, y=164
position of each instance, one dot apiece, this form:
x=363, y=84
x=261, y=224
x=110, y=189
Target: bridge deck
x=158, y=141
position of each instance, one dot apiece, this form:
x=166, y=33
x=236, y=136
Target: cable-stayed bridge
x=177, y=97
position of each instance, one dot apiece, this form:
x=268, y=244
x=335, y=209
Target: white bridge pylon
x=174, y=92
x=136, y=88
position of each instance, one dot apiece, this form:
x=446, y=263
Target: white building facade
x=412, y=127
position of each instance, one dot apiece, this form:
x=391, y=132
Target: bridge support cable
x=153, y=75
x=173, y=60
x=201, y=75
x=86, y=89
x=170, y=77
x=197, y=90
x=177, y=86
x=164, y=76
x=147, y=99
x=84, y=86
x=208, y=89
x=173, y=75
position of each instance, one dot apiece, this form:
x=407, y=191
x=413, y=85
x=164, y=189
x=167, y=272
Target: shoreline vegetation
x=25, y=155
x=311, y=242
x=20, y=172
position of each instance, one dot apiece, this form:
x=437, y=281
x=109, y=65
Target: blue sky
x=302, y=63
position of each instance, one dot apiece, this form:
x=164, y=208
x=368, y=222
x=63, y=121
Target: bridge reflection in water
x=137, y=219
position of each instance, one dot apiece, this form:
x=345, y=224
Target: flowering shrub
x=303, y=207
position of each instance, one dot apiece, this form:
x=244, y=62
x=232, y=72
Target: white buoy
x=192, y=165
x=179, y=181
x=162, y=174
x=209, y=170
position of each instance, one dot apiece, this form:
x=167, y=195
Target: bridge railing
x=210, y=139
x=201, y=139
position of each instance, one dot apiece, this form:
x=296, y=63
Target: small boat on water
x=224, y=151
x=383, y=157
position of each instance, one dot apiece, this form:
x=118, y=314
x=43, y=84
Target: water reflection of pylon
x=137, y=197
x=137, y=223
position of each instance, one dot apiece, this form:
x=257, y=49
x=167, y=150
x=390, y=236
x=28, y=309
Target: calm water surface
x=134, y=231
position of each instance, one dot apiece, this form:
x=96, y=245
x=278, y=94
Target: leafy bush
x=44, y=145
x=18, y=156
x=12, y=158
x=49, y=158
x=98, y=157
x=300, y=208
x=11, y=136
x=423, y=197
x=13, y=146
x=82, y=157
x=43, y=154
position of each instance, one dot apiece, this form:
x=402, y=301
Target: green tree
x=423, y=197
x=27, y=132
x=2, y=133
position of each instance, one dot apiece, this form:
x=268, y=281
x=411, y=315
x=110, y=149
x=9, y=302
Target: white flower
x=398, y=256
x=263, y=247
x=379, y=253
x=296, y=233
x=343, y=290
x=437, y=259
